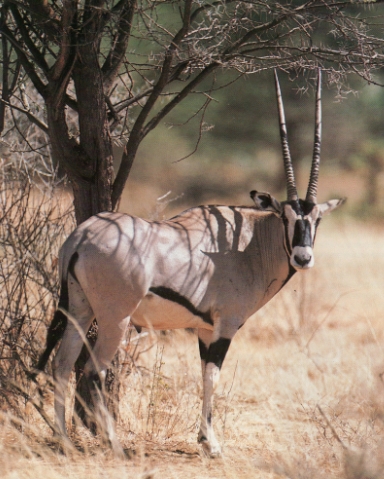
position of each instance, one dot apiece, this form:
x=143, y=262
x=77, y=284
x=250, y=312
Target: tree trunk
x=88, y=163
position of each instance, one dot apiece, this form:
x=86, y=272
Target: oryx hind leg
x=79, y=319
x=212, y=354
x=110, y=335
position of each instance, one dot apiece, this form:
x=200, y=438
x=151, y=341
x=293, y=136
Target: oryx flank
x=209, y=268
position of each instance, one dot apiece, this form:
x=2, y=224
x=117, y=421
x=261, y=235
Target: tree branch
x=137, y=131
x=131, y=101
x=45, y=15
x=5, y=93
x=29, y=69
x=35, y=52
x=66, y=41
x=119, y=45
x=178, y=98
x=134, y=141
x=30, y=115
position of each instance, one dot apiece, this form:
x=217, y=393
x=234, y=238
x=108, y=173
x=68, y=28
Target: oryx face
x=300, y=217
x=300, y=221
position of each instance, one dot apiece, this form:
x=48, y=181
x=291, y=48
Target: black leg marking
x=209, y=418
x=203, y=351
x=171, y=295
x=218, y=350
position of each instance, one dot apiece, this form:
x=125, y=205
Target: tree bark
x=88, y=162
x=93, y=195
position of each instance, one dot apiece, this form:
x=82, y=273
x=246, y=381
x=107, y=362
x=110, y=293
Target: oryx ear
x=330, y=205
x=266, y=202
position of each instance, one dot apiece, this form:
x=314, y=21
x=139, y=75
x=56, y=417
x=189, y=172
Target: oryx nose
x=303, y=259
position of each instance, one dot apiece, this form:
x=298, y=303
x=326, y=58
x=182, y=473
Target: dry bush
x=34, y=222
x=301, y=393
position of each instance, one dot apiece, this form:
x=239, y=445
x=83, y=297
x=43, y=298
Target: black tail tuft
x=56, y=328
x=55, y=333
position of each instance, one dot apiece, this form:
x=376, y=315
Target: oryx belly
x=156, y=312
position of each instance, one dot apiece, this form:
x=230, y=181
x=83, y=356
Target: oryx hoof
x=117, y=449
x=211, y=449
x=62, y=443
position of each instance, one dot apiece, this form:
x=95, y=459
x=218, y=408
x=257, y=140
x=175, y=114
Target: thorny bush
x=33, y=224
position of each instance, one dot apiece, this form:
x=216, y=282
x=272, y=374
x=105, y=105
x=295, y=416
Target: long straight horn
x=314, y=177
x=289, y=174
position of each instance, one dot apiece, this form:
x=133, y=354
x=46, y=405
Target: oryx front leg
x=212, y=354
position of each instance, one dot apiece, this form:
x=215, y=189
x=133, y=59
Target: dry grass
x=301, y=393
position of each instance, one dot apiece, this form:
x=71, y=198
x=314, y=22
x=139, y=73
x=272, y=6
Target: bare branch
x=64, y=59
x=38, y=57
x=28, y=67
x=120, y=42
x=46, y=16
x=131, y=101
x=201, y=128
x=178, y=98
x=29, y=114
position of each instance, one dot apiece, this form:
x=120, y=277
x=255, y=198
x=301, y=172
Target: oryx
x=209, y=268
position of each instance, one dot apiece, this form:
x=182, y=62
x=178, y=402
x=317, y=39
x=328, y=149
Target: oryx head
x=300, y=217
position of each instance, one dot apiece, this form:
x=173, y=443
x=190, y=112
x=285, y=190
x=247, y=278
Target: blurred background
x=236, y=148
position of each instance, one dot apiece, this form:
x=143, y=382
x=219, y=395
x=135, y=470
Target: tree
x=109, y=70
x=105, y=71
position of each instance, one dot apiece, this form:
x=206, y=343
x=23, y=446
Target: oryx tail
x=59, y=322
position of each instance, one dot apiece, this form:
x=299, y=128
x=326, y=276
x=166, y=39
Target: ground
x=301, y=393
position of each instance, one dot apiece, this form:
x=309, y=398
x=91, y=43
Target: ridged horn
x=314, y=177
x=289, y=174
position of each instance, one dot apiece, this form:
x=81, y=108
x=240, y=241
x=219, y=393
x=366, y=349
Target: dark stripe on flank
x=72, y=263
x=171, y=295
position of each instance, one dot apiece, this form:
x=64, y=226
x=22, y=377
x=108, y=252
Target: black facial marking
x=171, y=295
x=316, y=225
x=301, y=207
x=218, y=350
x=302, y=234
